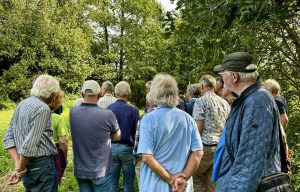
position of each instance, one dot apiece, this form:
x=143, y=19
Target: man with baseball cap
x=92, y=130
x=251, y=147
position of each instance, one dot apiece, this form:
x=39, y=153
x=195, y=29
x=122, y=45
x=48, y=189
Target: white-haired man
x=107, y=98
x=127, y=116
x=170, y=143
x=29, y=138
x=210, y=113
x=274, y=88
x=251, y=146
x=92, y=130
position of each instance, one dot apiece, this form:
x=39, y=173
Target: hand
x=174, y=177
x=179, y=185
x=14, y=178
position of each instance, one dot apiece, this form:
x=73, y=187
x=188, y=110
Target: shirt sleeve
x=33, y=138
x=196, y=139
x=255, y=141
x=198, y=110
x=114, y=123
x=62, y=129
x=8, y=140
x=146, y=142
x=281, y=106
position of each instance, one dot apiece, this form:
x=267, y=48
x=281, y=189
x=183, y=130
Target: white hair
x=208, y=81
x=122, y=89
x=164, y=90
x=44, y=86
x=248, y=76
x=273, y=86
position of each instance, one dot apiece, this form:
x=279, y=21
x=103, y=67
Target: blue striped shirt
x=30, y=129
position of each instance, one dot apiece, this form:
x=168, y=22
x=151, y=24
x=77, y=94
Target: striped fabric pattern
x=30, y=129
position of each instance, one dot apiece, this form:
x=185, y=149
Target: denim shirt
x=252, y=131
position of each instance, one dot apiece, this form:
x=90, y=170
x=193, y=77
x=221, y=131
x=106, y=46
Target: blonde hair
x=44, y=86
x=164, y=90
x=273, y=86
x=122, y=89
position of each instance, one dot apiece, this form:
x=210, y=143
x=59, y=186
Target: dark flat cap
x=237, y=62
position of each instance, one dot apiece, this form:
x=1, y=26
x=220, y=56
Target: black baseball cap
x=237, y=62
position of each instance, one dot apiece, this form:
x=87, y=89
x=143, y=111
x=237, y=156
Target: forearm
x=63, y=143
x=200, y=126
x=14, y=155
x=22, y=163
x=154, y=165
x=284, y=120
x=193, y=163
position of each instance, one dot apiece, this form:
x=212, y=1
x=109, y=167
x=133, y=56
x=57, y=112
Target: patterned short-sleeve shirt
x=214, y=110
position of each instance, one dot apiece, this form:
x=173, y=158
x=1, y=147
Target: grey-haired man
x=252, y=148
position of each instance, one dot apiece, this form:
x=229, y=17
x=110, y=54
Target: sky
x=167, y=4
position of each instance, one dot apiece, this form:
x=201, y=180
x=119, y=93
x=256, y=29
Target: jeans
x=95, y=185
x=40, y=176
x=123, y=158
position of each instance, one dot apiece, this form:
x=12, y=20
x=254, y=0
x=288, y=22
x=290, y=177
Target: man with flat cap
x=249, y=148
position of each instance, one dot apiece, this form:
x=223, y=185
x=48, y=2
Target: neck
x=90, y=100
x=242, y=85
x=123, y=98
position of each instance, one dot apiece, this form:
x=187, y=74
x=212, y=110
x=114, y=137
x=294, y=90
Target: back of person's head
x=107, y=87
x=208, y=81
x=90, y=88
x=193, y=90
x=47, y=88
x=44, y=86
x=273, y=86
x=164, y=90
x=122, y=89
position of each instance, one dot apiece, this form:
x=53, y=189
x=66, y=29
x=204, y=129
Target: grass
x=68, y=183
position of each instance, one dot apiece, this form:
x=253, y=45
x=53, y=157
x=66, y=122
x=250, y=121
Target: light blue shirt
x=169, y=134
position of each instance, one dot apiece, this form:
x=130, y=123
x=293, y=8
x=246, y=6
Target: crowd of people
x=225, y=134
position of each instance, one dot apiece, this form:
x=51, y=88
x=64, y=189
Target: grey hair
x=164, y=90
x=194, y=90
x=44, y=86
x=122, y=89
x=150, y=99
x=208, y=81
x=273, y=86
x=248, y=76
x=107, y=86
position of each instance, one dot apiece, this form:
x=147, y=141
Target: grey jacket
x=253, y=134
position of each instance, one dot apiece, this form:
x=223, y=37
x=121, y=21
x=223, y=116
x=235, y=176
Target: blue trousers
x=123, y=159
x=40, y=176
x=102, y=184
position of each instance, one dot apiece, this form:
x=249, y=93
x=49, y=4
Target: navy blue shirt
x=127, y=116
x=91, y=129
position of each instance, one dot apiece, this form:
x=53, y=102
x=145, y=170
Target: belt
x=122, y=142
x=33, y=159
x=210, y=145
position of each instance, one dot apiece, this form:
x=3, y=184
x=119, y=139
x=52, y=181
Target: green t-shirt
x=59, y=127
